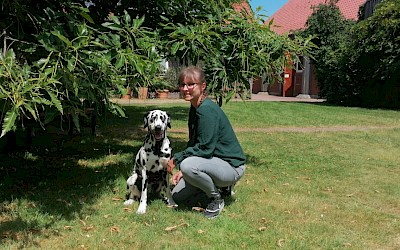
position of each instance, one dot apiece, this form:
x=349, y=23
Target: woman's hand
x=176, y=177
x=170, y=166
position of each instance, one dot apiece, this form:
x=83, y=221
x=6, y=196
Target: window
x=299, y=65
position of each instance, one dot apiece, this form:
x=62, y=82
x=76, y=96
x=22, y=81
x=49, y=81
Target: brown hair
x=192, y=73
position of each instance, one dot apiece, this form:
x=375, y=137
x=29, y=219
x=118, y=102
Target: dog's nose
x=158, y=127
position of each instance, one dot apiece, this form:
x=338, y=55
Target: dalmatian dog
x=149, y=173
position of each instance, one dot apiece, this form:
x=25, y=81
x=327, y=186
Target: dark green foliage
x=67, y=63
x=331, y=31
x=232, y=49
x=358, y=64
x=376, y=53
x=62, y=57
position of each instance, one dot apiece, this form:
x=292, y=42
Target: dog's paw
x=141, y=209
x=129, y=202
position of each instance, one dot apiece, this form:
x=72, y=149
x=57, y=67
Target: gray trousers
x=201, y=179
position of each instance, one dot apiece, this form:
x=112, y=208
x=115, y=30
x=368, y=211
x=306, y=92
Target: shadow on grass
x=53, y=179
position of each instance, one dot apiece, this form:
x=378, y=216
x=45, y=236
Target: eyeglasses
x=189, y=85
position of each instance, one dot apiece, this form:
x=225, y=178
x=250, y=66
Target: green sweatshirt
x=211, y=135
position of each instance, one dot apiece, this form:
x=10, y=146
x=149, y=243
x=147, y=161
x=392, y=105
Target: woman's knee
x=187, y=166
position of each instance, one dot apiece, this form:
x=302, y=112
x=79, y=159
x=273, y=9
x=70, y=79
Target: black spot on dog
x=145, y=185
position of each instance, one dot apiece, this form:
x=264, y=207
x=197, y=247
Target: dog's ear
x=168, y=121
x=145, y=120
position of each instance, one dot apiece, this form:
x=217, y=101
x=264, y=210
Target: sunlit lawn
x=304, y=188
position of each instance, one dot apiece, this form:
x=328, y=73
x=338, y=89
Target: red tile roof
x=243, y=6
x=294, y=14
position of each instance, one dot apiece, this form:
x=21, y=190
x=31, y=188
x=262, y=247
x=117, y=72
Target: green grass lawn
x=304, y=188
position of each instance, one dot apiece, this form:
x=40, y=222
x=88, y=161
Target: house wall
x=292, y=84
x=297, y=83
x=275, y=89
x=256, y=85
x=288, y=82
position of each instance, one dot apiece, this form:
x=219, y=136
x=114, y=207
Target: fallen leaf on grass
x=127, y=209
x=172, y=228
x=68, y=204
x=198, y=209
x=31, y=205
x=107, y=215
x=6, y=234
x=117, y=199
x=262, y=229
x=349, y=195
x=304, y=178
x=200, y=231
x=68, y=227
x=233, y=215
x=83, y=222
x=114, y=229
x=88, y=228
x=280, y=242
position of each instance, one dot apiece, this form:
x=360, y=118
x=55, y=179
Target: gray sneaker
x=214, y=208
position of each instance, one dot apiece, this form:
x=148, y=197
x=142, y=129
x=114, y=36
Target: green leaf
x=87, y=17
x=28, y=107
x=138, y=22
x=175, y=48
x=127, y=18
x=271, y=22
x=55, y=101
x=71, y=64
x=42, y=61
x=120, y=61
x=9, y=121
x=75, y=119
x=98, y=44
x=111, y=26
x=42, y=100
x=48, y=71
x=61, y=37
x=50, y=116
x=117, y=110
x=115, y=19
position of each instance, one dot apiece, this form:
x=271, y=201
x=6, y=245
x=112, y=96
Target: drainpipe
x=305, y=85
